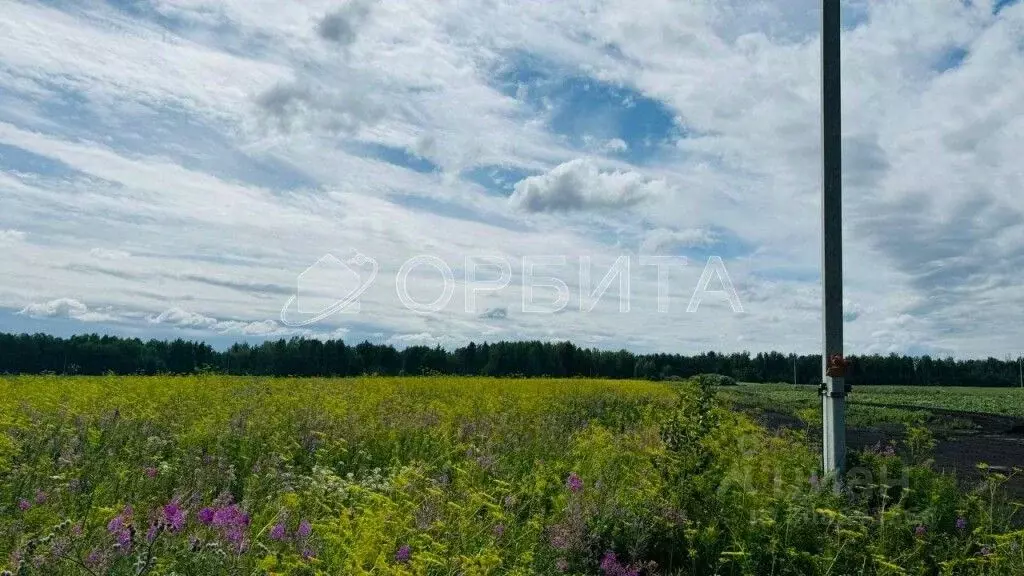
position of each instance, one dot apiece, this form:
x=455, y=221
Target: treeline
x=95, y=355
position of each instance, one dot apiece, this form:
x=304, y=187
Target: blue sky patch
x=452, y=210
x=498, y=179
x=169, y=132
x=395, y=155
x=854, y=14
x=951, y=59
x=1001, y=5
x=789, y=274
x=14, y=159
x=589, y=112
x=727, y=244
x=209, y=27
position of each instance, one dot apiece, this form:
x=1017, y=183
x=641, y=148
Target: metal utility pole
x=833, y=393
x=1020, y=371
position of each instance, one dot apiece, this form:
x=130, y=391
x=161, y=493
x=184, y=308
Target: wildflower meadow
x=460, y=476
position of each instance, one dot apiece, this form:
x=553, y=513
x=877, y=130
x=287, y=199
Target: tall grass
x=220, y=475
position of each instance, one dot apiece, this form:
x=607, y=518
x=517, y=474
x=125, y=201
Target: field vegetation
x=936, y=407
x=459, y=476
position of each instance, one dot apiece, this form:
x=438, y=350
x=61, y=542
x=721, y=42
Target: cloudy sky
x=173, y=167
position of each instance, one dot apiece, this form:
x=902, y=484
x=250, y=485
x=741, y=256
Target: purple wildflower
x=574, y=483
x=120, y=527
x=961, y=523
x=124, y=539
x=305, y=529
x=24, y=505
x=278, y=532
x=562, y=565
x=174, y=516
x=308, y=553
x=230, y=521
x=152, y=532
x=498, y=530
x=611, y=566
x=234, y=535
x=40, y=497
x=920, y=531
x=94, y=559
x=610, y=563
x=403, y=554
x=116, y=524
x=150, y=472
x=228, y=516
x=206, y=515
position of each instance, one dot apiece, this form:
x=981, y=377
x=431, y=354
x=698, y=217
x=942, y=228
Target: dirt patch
x=995, y=440
x=982, y=422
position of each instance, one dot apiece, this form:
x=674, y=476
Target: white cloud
x=933, y=208
x=184, y=319
x=180, y=318
x=425, y=339
x=107, y=254
x=11, y=236
x=68, y=308
x=661, y=240
x=263, y=328
x=580, y=185
x=615, y=145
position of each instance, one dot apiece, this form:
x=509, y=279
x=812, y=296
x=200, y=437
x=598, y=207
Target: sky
x=440, y=171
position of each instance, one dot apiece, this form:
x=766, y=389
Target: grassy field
x=455, y=476
x=874, y=406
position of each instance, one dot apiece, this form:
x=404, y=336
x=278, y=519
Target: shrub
x=715, y=380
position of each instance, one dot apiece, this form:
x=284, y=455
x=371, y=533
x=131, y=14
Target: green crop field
x=460, y=476
x=871, y=406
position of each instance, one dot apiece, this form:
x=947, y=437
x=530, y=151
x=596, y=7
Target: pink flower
x=24, y=505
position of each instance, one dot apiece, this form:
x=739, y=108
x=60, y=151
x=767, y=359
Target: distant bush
x=714, y=380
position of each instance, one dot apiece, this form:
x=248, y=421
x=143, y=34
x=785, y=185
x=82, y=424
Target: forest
x=94, y=354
